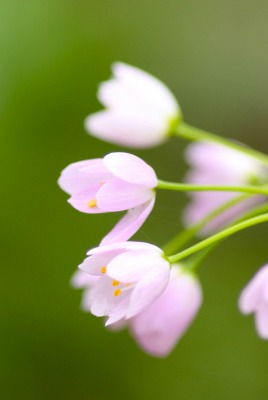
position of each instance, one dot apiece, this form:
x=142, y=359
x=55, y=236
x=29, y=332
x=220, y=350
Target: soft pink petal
x=130, y=168
x=252, y=294
x=102, y=299
x=128, y=128
x=149, y=287
x=118, y=312
x=123, y=246
x=129, y=224
x=152, y=92
x=73, y=180
x=80, y=200
x=97, y=173
x=131, y=266
x=158, y=328
x=86, y=301
x=214, y=158
x=81, y=279
x=93, y=264
x=261, y=319
x=118, y=195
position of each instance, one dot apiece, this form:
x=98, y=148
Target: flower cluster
x=135, y=284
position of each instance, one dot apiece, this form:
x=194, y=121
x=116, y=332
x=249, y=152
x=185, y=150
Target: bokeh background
x=213, y=54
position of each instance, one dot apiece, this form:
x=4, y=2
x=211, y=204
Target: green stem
x=191, y=133
x=219, y=236
x=185, y=187
x=192, y=263
x=183, y=237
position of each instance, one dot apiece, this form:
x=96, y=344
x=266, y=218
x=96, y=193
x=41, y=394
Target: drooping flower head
x=162, y=323
x=131, y=276
x=118, y=182
x=140, y=110
x=254, y=299
x=213, y=164
x=160, y=326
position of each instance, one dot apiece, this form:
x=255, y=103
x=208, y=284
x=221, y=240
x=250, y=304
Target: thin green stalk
x=219, y=236
x=185, y=187
x=192, y=263
x=185, y=236
x=191, y=133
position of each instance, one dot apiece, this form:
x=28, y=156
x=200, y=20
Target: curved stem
x=191, y=133
x=184, y=187
x=185, y=236
x=219, y=236
x=194, y=261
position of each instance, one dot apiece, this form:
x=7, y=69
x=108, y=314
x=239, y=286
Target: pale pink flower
x=254, y=299
x=140, y=110
x=158, y=328
x=161, y=324
x=214, y=164
x=130, y=276
x=118, y=182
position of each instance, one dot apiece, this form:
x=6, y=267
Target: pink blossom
x=118, y=182
x=130, y=276
x=214, y=164
x=141, y=110
x=159, y=327
x=161, y=324
x=254, y=299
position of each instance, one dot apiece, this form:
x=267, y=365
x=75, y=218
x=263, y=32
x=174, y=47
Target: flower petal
x=97, y=173
x=261, y=320
x=95, y=264
x=127, y=128
x=72, y=179
x=123, y=246
x=131, y=266
x=118, y=312
x=131, y=169
x=158, y=328
x=129, y=224
x=252, y=294
x=118, y=195
x=102, y=299
x=218, y=159
x=150, y=90
x=81, y=200
x=149, y=287
x=81, y=279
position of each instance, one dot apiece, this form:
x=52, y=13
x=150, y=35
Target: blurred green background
x=53, y=54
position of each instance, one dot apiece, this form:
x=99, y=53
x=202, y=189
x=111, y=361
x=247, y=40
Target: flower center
x=123, y=287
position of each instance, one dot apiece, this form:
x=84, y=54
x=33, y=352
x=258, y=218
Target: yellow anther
x=102, y=182
x=115, y=283
x=92, y=203
x=117, y=292
x=127, y=284
x=103, y=270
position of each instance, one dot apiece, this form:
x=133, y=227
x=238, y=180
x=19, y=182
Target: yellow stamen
x=103, y=270
x=127, y=284
x=102, y=182
x=115, y=283
x=117, y=292
x=92, y=203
